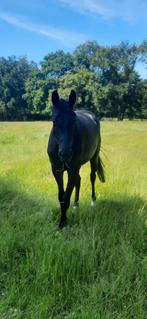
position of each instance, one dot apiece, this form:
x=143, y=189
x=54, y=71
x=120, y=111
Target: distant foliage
x=13, y=76
x=104, y=78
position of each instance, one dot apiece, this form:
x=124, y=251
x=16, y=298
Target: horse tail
x=100, y=170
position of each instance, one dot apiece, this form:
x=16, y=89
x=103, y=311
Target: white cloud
x=127, y=10
x=67, y=38
x=88, y=6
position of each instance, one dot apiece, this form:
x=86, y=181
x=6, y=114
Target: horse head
x=64, y=119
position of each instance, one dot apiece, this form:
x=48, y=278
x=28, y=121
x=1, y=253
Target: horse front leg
x=59, y=179
x=72, y=178
x=77, y=191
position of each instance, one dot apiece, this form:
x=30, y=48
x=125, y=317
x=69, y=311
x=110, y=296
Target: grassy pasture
x=97, y=266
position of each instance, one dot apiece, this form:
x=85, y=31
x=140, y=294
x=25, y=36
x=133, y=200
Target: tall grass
x=97, y=266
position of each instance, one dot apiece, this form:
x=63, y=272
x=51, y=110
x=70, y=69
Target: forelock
x=63, y=108
x=64, y=105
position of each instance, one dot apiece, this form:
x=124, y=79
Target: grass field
x=97, y=266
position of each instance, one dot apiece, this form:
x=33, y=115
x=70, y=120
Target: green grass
x=97, y=266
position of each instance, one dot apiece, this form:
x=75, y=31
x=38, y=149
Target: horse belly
x=89, y=134
x=89, y=146
x=88, y=156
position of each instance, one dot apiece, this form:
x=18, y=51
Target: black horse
x=74, y=140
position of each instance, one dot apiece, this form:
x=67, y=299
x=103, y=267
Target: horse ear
x=55, y=98
x=72, y=97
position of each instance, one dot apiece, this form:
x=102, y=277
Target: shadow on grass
x=97, y=241
x=114, y=211
x=115, y=207
x=15, y=200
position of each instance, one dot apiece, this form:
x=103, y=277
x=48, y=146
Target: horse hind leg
x=77, y=191
x=92, y=179
x=100, y=170
x=96, y=167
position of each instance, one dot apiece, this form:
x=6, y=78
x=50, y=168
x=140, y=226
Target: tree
x=57, y=64
x=104, y=78
x=144, y=99
x=84, y=55
x=13, y=74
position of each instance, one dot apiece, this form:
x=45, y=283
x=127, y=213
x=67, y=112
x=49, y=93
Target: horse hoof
x=93, y=203
x=62, y=224
x=76, y=206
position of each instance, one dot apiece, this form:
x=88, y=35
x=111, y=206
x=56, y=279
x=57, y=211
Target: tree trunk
x=121, y=113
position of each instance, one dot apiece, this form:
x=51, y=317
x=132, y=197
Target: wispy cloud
x=88, y=6
x=67, y=38
x=127, y=10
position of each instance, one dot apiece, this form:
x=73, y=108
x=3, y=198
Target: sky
x=36, y=27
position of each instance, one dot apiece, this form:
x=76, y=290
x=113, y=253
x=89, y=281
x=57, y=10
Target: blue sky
x=37, y=27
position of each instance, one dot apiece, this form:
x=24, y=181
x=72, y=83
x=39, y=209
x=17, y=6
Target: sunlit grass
x=97, y=266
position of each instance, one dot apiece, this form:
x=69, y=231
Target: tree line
x=105, y=80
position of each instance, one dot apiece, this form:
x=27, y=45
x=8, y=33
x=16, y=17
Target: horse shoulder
x=52, y=145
